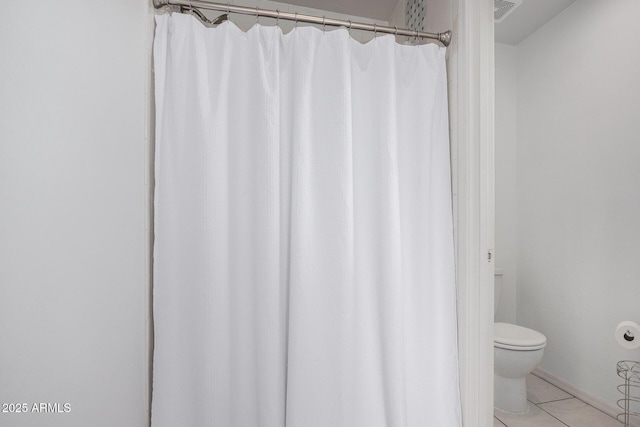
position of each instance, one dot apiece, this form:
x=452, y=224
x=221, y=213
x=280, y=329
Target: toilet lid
x=510, y=336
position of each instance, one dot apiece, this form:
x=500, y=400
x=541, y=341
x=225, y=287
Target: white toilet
x=517, y=351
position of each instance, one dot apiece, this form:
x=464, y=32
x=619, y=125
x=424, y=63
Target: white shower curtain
x=303, y=260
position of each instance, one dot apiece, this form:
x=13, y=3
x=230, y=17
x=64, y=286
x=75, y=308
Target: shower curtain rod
x=444, y=38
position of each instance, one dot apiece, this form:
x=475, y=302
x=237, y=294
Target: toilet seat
x=519, y=338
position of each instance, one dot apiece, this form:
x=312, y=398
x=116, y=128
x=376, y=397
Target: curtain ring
x=296, y=21
x=257, y=16
x=349, y=26
x=396, y=32
x=277, y=18
x=375, y=30
x=324, y=28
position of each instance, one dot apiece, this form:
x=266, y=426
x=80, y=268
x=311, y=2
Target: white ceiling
x=527, y=18
x=523, y=21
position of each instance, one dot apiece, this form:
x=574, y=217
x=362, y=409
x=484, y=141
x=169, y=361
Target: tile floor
x=551, y=407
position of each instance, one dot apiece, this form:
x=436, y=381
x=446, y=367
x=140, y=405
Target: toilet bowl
x=517, y=351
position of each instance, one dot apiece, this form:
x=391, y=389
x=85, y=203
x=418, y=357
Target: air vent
x=502, y=8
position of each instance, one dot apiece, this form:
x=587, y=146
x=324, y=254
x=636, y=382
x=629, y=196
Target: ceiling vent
x=502, y=8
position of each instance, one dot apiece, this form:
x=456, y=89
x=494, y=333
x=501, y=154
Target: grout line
x=552, y=385
x=566, y=398
x=556, y=400
x=553, y=416
x=571, y=396
x=608, y=409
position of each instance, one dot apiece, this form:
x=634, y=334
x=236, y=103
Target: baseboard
x=596, y=402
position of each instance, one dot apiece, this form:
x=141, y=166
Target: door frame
x=473, y=135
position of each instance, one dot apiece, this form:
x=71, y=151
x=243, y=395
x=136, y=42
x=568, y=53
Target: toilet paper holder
x=627, y=334
x=629, y=370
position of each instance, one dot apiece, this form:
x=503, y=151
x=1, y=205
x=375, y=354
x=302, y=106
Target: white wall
x=73, y=214
x=578, y=178
x=506, y=57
